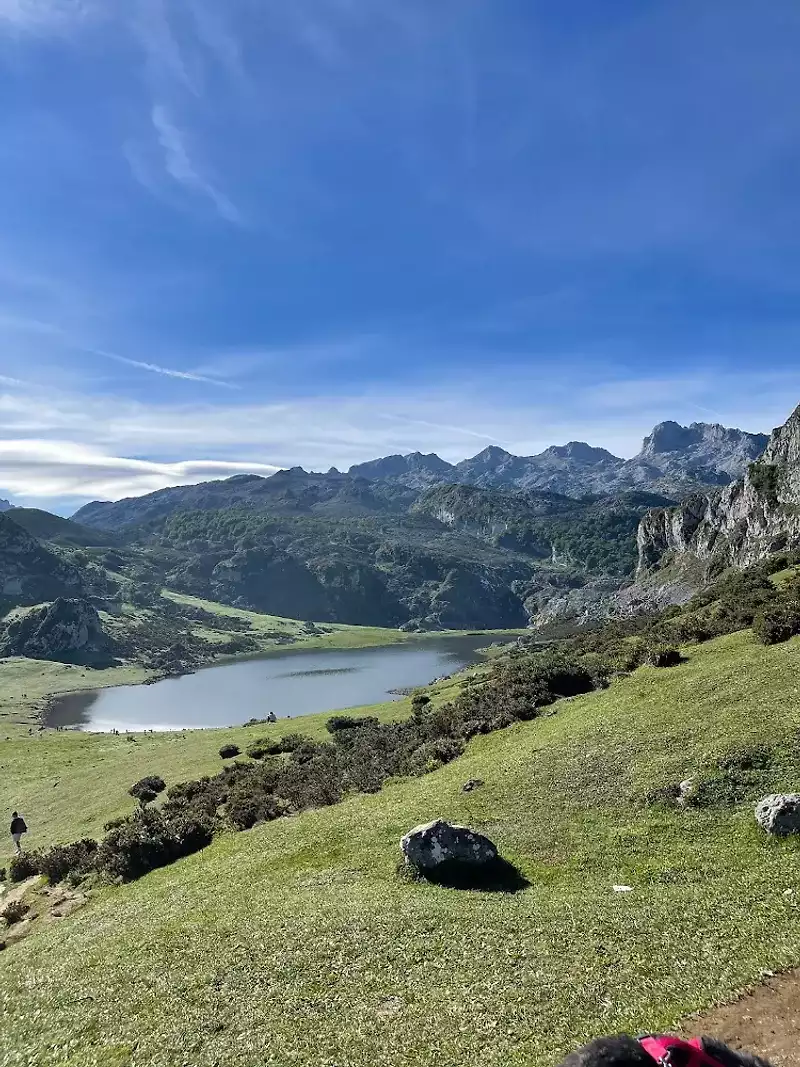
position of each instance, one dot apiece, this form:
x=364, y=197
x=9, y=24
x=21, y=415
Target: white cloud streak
x=155, y=368
x=180, y=166
x=71, y=447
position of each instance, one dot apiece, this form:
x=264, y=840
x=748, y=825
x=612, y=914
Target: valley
x=256, y=881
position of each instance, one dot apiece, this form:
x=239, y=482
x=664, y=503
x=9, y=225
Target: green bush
x=148, y=840
x=23, y=866
x=147, y=788
x=61, y=861
x=777, y=624
x=765, y=479
x=662, y=656
x=229, y=751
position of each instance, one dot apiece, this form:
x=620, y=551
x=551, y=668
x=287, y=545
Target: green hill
x=297, y=942
x=60, y=531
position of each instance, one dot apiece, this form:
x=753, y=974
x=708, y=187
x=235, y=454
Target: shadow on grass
x=499, y=876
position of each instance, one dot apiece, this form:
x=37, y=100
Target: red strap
x=660, y=1047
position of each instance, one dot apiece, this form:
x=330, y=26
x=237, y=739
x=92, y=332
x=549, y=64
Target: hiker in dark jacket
x=18, y=828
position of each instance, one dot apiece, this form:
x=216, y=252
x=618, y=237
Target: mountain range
x=674, y=461
x=408, y=541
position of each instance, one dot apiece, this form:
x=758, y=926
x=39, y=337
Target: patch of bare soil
x=765, y=1021
x=46, y=904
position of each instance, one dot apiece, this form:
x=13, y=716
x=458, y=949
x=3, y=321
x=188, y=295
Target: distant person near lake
x=18, y=828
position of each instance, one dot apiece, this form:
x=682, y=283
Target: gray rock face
x=779, y=814
x=735, y=526
x=673, y=460
x=69, y=631
x=427, y=847
x=29, y=573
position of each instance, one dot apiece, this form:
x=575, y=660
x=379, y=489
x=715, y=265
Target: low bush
x=148, y=840
x=348, y=722
x=777, y=624
x=662, y=656
x=229, y=751
x=22, y=866
x=148, y=788
x=76, y=860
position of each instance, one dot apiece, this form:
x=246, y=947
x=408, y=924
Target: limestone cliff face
x=735, y=526
x=67, y=630
x=29, y=573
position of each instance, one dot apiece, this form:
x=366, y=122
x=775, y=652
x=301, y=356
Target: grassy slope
x=296, y=942
x=69, y=784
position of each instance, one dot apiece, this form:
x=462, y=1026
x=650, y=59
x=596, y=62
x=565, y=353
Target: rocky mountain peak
x=488, y=457
x=784, y=444
x=581, y=452
x=702, y=437
x=670, y=437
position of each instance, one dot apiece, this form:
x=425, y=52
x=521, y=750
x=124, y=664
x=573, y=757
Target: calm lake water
x=290, y=683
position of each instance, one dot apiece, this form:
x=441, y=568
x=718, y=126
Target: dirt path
x=766, y=1021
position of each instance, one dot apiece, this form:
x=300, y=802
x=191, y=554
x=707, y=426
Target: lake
x=290, y=683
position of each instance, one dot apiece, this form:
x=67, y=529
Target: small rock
x=473, y=783
x=779, y=813
x=685, y=792
x=426, y=847
x=622, y=888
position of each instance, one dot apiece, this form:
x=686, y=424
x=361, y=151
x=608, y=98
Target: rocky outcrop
x=779, y=814
x=69, y=631
x=29, y=573
x=434, y=844
x=735, y=526
x=417, y=471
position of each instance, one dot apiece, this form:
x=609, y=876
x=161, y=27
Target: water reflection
x=318, y=681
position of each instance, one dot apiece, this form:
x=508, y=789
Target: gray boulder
x=779, y=814
x=69, y=631
x=429, y=846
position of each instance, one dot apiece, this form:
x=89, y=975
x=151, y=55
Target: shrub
x=148, y=840
x=347, y=722
x=245, y=808
x=22, y=867
x=263, y=747
x=61, y=861
x=662, y=656
x=434, y=754
x=765, y=479
x=14, y=912
x=112, y=824
x=148, y=788
x=777, y=624
x=229, y=751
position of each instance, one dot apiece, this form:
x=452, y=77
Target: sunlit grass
x=296, y=942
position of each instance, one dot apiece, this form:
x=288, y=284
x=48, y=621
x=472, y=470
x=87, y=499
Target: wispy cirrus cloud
x=43, y=15
x=184, y=169
x=155, y=368
x=71, y=447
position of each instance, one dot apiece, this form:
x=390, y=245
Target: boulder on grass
x=779, y=814
x=433, y=844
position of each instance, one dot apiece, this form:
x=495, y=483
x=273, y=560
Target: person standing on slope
x=18, y=828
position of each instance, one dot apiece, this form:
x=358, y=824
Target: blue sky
x=245, y=234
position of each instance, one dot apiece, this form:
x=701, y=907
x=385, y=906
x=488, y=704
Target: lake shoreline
x=329, y=679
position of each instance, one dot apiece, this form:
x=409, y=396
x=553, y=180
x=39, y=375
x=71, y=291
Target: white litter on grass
x=622, y=888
